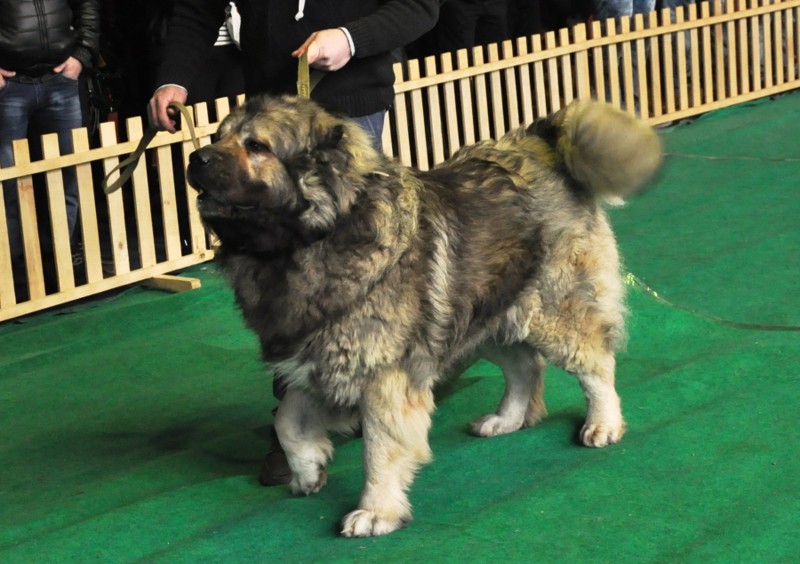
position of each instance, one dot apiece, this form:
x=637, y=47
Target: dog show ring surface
x=133, y=426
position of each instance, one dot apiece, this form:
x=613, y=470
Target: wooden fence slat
x=796, y=43
x=695, y=75
x=708, y=65
x=613, y=69
x=526, y=93
x=766, y=26
x=744, y=54
x=223, y=108
x=641, y=78
x=780, y=45
x=141, y=201
x=499, y=103
x=418, y=119
x=168, y=205
x=402, y=117
x=90, y=232
x=755, y=48
x=568, y=89
x=656, y=103
x=511, y=97
x=451, y=112
x=29, y=224
x=435, y=140
x=553, y=82
x=732, y=71
x=59, y=224
x=791, y=53
x=116, y=206
x=197, y=232
x=582, y=71
x=628, y=93
x=481, y=97
x=539, y=85
x=598, y=60
x=465, y=97
x=669, y=67
x=682, y=70
x=8, y=295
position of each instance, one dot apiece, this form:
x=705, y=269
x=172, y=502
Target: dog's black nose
x=201, y=157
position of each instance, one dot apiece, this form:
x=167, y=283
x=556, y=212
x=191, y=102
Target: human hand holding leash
x=160, y=116
x=328, y=50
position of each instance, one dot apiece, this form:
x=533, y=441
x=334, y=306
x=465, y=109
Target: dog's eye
x=253, y=146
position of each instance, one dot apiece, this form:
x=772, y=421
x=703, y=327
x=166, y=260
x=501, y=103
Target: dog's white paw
x=602, y=434
x=493, y=425
x=365, y=523
x=309, y=482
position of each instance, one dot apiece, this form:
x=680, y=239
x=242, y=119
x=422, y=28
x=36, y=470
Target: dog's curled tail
x=607, y=150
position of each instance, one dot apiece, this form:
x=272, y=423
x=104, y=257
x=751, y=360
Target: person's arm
x=192, y=30
x=86, y=20
x=395, y=24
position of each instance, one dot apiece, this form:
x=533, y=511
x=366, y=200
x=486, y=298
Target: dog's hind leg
x=581, y=335
x=395, y=418
x=302, y=425
x=523, y=401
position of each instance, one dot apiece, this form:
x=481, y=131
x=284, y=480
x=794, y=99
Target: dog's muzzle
x=200, y=163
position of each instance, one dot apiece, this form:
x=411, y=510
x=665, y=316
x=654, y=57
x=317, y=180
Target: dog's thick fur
x=366, y=280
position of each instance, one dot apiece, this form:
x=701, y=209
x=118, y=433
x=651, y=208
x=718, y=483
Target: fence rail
x=663, y=66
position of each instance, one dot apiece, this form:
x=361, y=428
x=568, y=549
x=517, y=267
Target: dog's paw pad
x=307, y=485
x=493, y=425
x=365, y=523
x=599, y=435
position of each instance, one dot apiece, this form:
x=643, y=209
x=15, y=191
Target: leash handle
x=307, y=79
x=128, y=165
x=303, y=79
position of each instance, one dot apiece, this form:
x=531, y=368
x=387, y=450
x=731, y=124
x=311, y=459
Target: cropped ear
x=330, y=136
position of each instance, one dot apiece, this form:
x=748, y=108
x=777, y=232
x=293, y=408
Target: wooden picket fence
x=664, y=66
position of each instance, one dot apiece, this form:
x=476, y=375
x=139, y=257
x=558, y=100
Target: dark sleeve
x=86, y=20
x=395, y=24
x=191, y=33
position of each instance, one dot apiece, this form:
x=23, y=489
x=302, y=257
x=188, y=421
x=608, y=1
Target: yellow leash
x=128, y=165
x=307, y=79
x=636, y=282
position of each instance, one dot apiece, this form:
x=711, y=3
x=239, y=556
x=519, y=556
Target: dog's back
x=605, y=150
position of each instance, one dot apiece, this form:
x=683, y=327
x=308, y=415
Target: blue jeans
x=616, y=8
x=373, y=125
x=29, y=109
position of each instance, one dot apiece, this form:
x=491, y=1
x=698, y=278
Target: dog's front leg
x=302, y=425
x=395, y=418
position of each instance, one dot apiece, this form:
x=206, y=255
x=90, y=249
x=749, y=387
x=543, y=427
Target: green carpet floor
x=132, y=427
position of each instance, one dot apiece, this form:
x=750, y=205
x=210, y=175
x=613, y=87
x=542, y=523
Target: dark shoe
x=275, y=469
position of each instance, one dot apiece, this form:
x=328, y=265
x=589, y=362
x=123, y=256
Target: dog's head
x=281, y=174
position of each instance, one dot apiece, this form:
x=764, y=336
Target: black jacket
x=270, y=33
x=37, y=35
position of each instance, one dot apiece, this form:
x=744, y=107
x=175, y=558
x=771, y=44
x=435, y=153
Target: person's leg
x=455, y=28
x=605, y=9
x=16, y=99
x=492, y=26
x=59, y=112
x=373, y=125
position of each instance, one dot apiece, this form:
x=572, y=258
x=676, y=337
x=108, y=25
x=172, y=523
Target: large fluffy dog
x=365, y=280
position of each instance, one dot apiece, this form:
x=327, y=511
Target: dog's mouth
x=214, y=205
